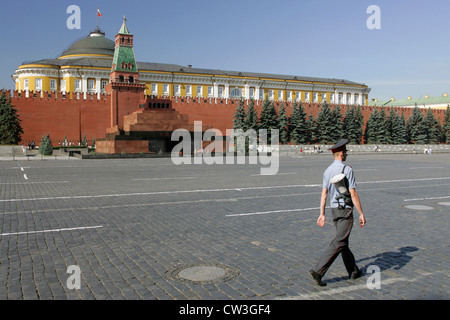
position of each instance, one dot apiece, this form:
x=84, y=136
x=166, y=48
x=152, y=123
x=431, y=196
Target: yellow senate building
x=84, y=69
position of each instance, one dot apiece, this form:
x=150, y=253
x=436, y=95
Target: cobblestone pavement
x=130, y=227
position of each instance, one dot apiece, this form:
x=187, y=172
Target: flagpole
x=97, y=20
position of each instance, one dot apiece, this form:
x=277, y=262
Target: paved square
x=148, y=229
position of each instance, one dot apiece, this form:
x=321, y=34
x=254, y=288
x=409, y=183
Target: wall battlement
x=74, y=117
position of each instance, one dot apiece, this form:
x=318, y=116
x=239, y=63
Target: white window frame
x=251, y=92
x=38, y=84
x=307, y=97
x=271, y=94
x=166, y=90
x=199, y=91
x=280, y=95
x=154, y=89
x=221, y=91
x=104, y=84
x=26, y=84
x=289, y=95
x=315, y=97
x=210, y=91
x=52, y=85
x=188, y=90
x=91, y=85
x=77, y=85
x=261, y=94
x=177, y=89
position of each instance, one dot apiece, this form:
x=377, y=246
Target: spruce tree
x=394, y=126
x=431, y=128
x=414, y=126
x=299, y=125
x=352, y=125
x=358, y=127
x=251, y=118
x=382, y=131
x=325, y=125
x=239, y=116
x=10, y=129
x=283, y=124
x=402, y=134
x=268, y=119
x=311, y=129
x=446, y=126
x=45, y=148
x=336, y=124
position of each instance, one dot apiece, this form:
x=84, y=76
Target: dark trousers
x=343, y=221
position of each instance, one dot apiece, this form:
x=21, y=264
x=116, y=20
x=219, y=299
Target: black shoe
x=355, y=274
x=317, y=277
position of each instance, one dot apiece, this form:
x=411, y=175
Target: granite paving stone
x=128, y=224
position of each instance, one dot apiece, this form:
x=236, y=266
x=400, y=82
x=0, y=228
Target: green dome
x=94, y=44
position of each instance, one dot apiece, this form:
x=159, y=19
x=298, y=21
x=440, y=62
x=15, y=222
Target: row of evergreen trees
x=384, y=126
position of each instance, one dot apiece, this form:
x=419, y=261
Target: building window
x=315, y=97
x=289, y=96
x=199, y=91
x=307, y=96
x=63, y=85
x=154, y=89
x=324, y=97
x=91, y=84
x=77, y=85
x=261, y=94
x=189, y=90
x=52, y=85
x=210, y=91
x=104, y=83
x=251, y=93
x=299, y=95
x=340, y=98
x=25, y=84
x=271, y=94
x=220, y=92
x=165, y=89
x=177, y=89
x=349, y=98
x=332, y=97
x=38, y=84
x=236, y=93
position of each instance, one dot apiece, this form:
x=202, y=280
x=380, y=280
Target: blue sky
x=408, y=56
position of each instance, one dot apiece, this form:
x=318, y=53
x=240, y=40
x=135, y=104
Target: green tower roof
x=124, y=29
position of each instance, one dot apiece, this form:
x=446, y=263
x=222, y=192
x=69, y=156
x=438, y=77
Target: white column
x=216, y=90
x=98, y=87
x=256, y=92
x=227, y=91
x=246, y=93
x=84, y=86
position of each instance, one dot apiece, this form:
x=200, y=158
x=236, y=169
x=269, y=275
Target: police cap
x=340, y=146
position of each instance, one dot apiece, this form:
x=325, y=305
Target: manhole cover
x=419, y=207
x=204, y=273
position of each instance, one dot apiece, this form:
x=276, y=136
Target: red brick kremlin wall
x=74, y=117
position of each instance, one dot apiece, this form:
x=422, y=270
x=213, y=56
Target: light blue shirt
x=334, y=169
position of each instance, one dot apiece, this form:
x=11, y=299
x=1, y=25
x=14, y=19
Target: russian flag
x=99, y=13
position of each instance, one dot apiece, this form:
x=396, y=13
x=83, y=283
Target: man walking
x=342, y=213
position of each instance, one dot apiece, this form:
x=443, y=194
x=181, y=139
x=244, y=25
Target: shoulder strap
x=343, y=169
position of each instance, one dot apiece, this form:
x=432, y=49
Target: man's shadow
x=386, y=260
